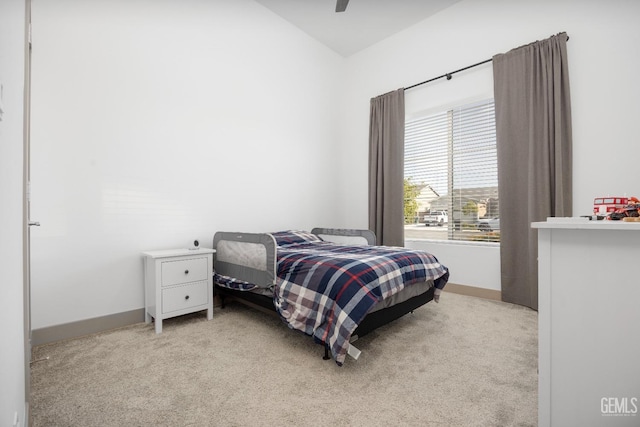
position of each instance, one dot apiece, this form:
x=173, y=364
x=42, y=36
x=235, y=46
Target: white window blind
x=451, y=163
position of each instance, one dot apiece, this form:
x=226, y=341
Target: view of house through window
x=451, y=175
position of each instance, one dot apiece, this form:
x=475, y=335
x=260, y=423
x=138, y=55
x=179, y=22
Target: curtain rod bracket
x=449, y=76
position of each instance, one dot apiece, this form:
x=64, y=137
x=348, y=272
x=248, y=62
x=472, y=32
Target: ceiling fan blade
x=341, y=5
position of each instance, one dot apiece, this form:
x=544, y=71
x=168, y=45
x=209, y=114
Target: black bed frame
x=371, y=322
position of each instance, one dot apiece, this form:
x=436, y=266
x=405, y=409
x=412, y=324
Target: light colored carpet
x=463, y=362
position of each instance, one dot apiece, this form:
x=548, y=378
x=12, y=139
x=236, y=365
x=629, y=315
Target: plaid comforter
x=325, y=290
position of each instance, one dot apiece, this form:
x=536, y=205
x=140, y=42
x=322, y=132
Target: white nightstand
x=177, y=282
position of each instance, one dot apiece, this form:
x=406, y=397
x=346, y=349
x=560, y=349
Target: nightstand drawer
x=185, y=296
x=184, y=271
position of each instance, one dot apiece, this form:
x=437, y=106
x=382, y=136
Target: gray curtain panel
x=386, y=168
x=533, y=127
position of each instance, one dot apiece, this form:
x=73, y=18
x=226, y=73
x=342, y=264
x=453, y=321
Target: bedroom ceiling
x=364, y=23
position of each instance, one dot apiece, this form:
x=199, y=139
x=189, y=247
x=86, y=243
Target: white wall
x=12, y=356
x=144, y=112
x=603, y=63
x=156, y=122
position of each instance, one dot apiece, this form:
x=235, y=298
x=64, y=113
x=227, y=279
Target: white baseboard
x=85, y=327
x=473, y=291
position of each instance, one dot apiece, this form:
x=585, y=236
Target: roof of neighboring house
x=475, y=195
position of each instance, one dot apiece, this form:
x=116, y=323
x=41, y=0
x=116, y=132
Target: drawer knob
x=186, y=272
x=187, y=297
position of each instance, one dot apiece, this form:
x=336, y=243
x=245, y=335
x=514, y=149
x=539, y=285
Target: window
x=451, y=175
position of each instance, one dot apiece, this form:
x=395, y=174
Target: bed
x=335, y=285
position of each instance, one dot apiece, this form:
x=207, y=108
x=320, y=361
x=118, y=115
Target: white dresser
x=589, y=323
x=177, y=282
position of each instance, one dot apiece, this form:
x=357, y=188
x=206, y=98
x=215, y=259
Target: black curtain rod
x=449, y=75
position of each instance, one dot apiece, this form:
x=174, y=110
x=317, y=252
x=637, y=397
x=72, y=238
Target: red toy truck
x=606, y=205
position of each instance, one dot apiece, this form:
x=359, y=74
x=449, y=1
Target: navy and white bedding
x=325, y=290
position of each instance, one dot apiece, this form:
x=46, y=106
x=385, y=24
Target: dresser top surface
x=585, y=224
x=168, y=253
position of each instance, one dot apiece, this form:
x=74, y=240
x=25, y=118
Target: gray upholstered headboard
x=346, y=236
